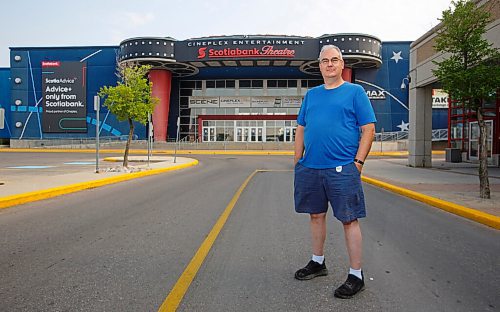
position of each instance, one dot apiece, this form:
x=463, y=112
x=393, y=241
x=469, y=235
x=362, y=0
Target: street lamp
x=403, y=84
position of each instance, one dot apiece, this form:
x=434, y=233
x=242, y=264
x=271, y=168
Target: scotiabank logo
x=51, y=63
x=266, y=51
x=202, y=52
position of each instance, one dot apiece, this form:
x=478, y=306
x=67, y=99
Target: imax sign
x=375, y=94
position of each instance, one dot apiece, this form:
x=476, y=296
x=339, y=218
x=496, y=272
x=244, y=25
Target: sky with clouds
x=35, y=23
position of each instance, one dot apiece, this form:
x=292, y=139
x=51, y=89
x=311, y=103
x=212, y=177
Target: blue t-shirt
x=332, y=119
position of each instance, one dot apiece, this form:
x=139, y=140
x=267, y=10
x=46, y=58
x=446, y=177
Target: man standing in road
x=329, y=157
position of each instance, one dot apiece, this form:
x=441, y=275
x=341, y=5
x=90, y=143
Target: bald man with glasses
x=329, y=157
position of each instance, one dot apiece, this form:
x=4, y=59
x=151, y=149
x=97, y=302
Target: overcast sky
x=36, y=23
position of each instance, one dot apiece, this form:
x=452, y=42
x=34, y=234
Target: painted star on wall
x=396, y=56
x=403, y=126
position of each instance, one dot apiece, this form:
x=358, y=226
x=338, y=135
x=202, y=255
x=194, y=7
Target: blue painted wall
x=392, y=111
x=4, y=101
x=101, y=68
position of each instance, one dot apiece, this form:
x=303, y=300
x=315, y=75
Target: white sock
x=356, y=273
x=318, y=259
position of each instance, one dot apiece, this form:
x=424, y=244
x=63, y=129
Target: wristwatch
x=359, y=161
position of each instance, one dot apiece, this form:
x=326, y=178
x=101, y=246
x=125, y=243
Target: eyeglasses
x=326, y=61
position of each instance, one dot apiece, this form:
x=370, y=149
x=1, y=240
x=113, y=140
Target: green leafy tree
x=131, y=99
x=470, y=71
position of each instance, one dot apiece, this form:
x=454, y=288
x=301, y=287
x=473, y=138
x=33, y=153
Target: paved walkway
x=454, y=182
x=454, y=185
x=24, y=188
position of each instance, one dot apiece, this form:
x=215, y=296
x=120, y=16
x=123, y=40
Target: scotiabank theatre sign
x=264, y=52
x=252, y=48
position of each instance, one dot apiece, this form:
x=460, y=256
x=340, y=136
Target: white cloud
x=130, y=20
x=116, y=36
x=123, y=25
x=139, y=19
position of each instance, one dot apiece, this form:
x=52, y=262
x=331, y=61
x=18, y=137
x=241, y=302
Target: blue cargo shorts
x=341, y=186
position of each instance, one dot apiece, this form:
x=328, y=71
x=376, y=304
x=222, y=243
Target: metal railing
x=440, y=135
x=185, y=143
x=437, y=135
x=71, y=142
x=391, y=136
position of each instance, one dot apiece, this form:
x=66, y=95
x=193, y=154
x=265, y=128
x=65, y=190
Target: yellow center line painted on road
x=175, y=296
x=275, y=170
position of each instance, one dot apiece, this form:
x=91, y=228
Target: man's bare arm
x=365, y=143
x=299, y=144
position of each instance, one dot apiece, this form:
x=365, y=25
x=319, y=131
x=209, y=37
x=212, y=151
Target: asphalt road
x=122, y=247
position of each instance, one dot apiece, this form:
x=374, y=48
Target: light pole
x=150, y=138
x=97, y=101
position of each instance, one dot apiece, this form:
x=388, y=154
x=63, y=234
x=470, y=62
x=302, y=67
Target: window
x=186, y=92
x=184, y=102
x=314, y=83
x=245, y=84
x=188, y=84
x=257, y=84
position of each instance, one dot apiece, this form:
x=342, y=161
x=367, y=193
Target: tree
x=131, y=99
x=470, y=71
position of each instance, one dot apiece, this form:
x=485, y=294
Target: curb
x=466, y=212
x=134, y=158
x=23, y=198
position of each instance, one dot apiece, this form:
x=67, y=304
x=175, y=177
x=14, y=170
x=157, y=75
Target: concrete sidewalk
x=28, y=188
x=453, y=187
x=454, y=182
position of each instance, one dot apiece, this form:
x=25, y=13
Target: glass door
x=474, y=138
x=289, y=135
x=241, y=134
x=208, y=134
x=249, y=134
x=255, y=134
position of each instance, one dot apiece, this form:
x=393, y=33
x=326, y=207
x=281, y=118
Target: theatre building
x=211, y=89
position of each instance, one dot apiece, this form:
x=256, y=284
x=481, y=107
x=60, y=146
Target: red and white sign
x=51, y=63
x=267, y=51
x=439, y=98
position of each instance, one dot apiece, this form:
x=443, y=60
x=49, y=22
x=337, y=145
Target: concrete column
x=162, y=82
x=420, y=129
